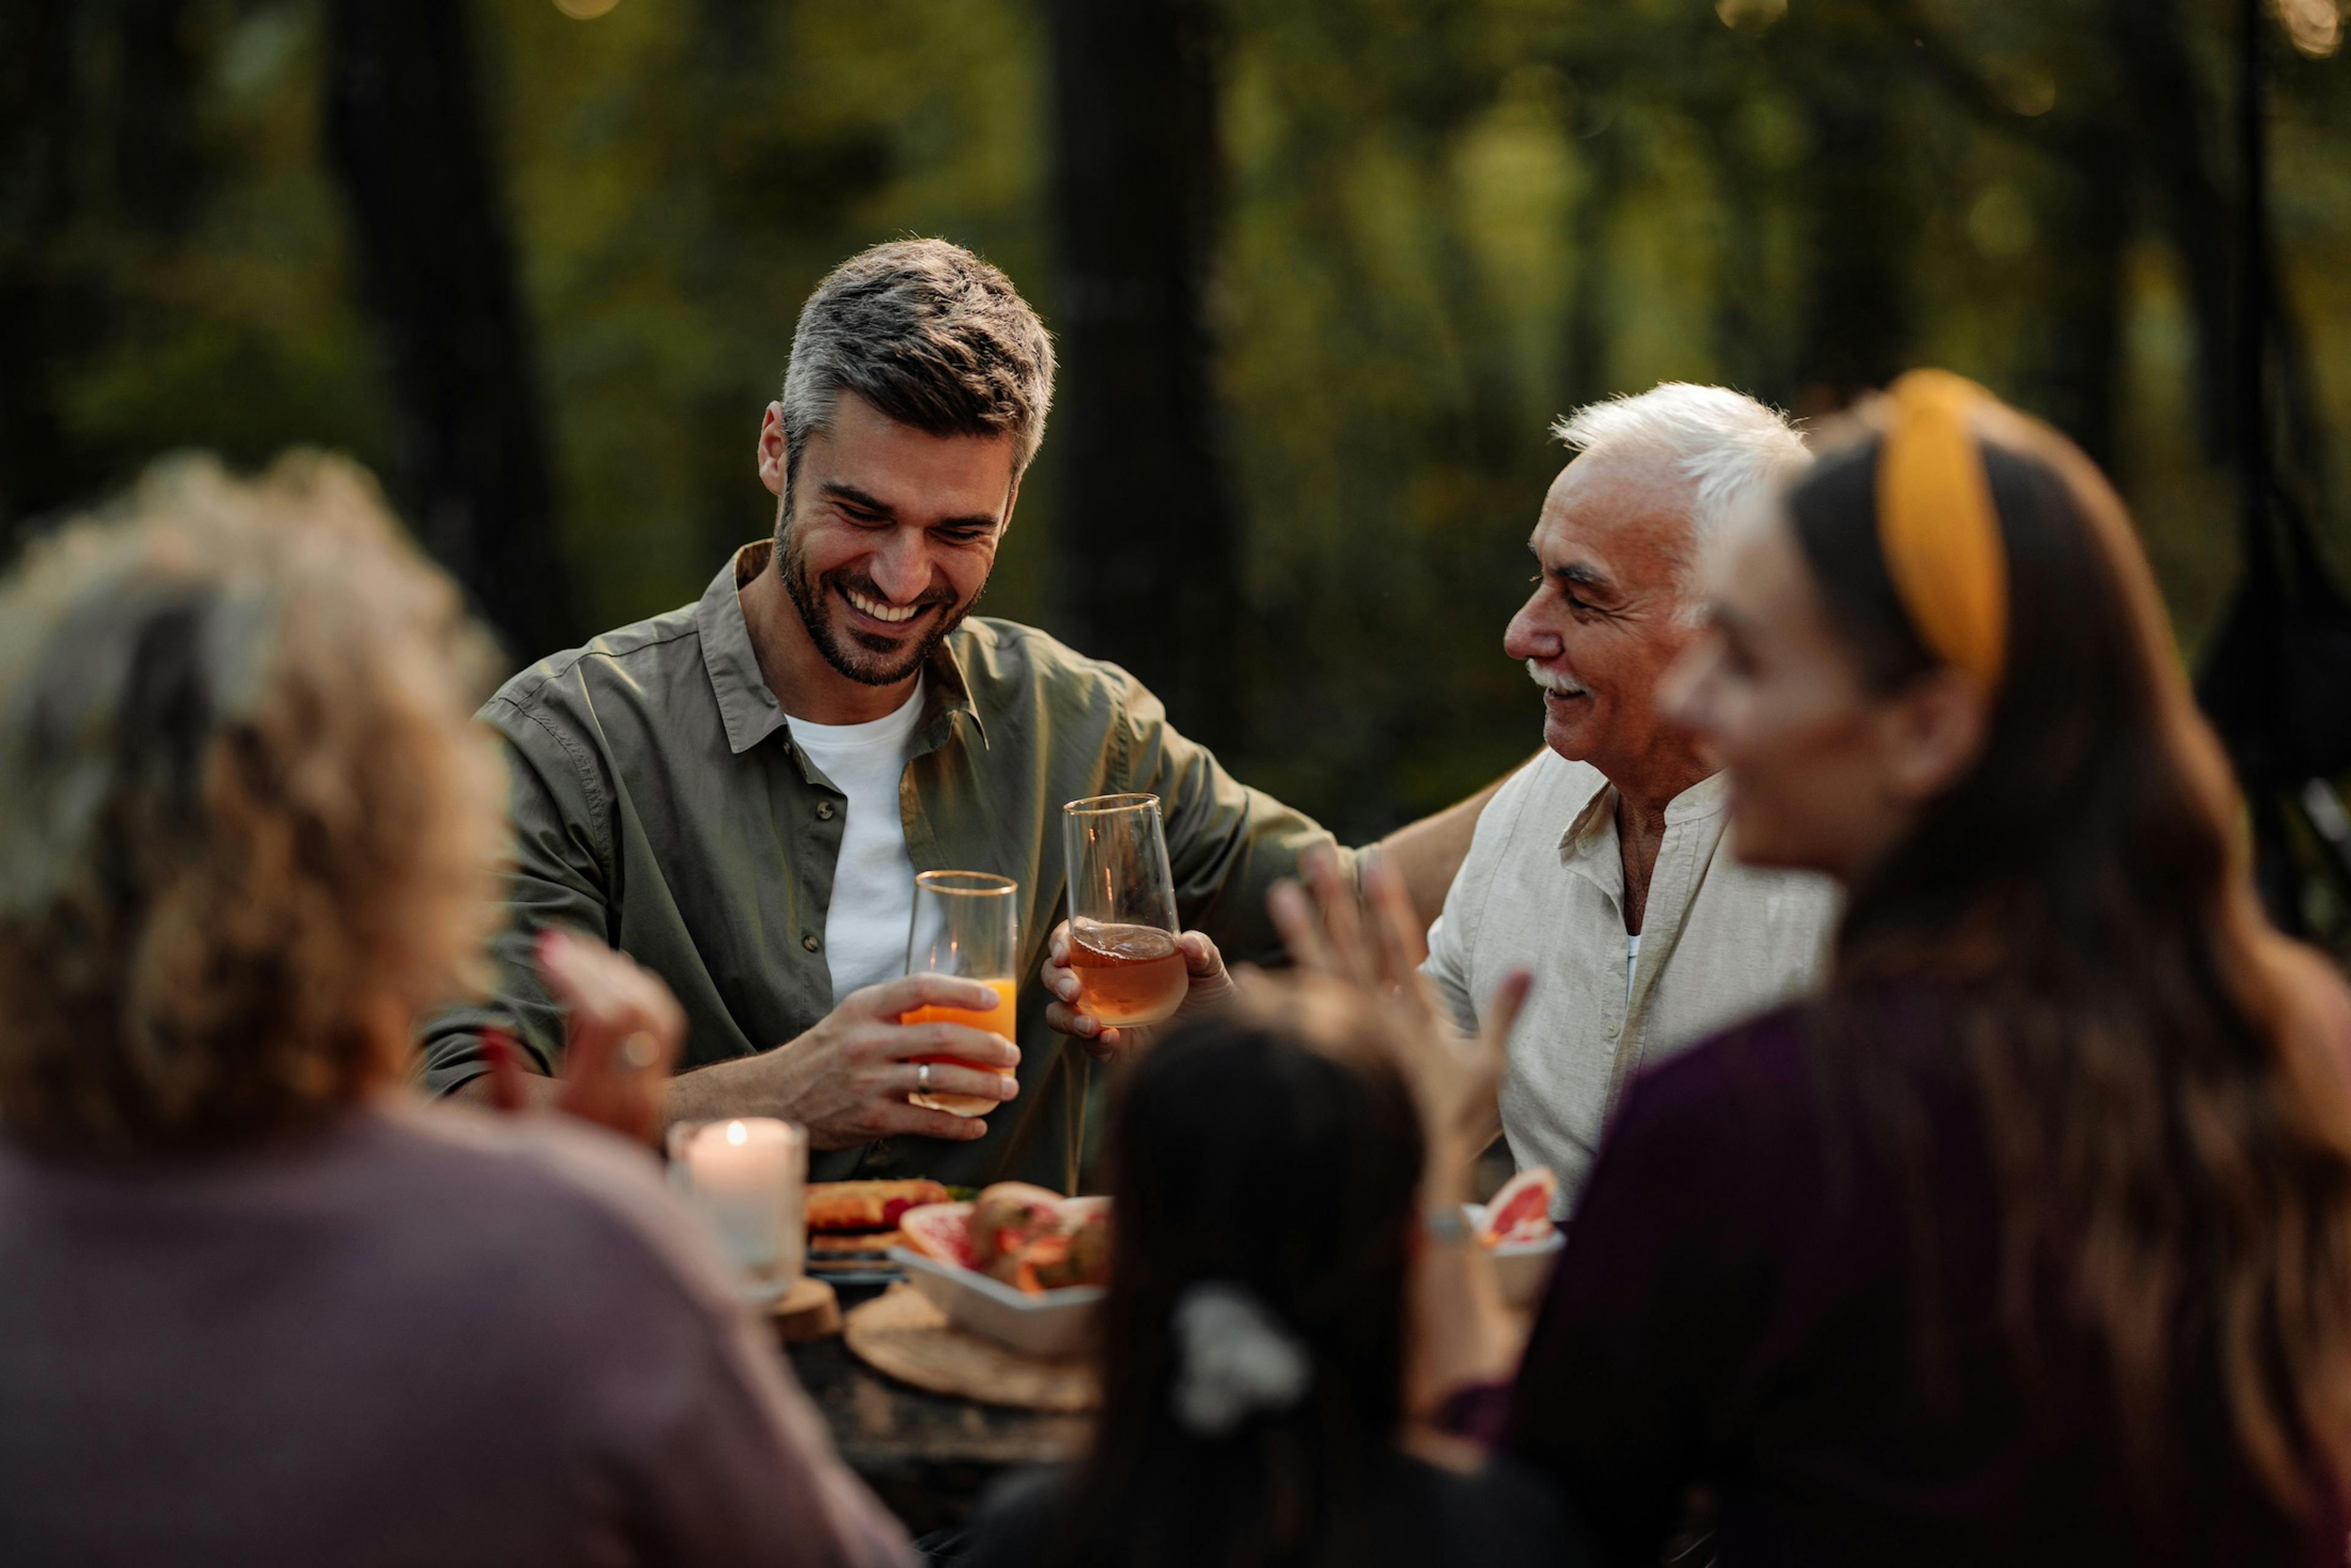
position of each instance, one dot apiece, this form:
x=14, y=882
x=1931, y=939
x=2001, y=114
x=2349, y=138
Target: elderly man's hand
x=1204, y=968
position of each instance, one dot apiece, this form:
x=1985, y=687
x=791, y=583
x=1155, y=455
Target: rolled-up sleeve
x=560, y=878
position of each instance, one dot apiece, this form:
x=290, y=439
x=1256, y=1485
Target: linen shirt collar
x=749, y=710
x=1595, y=819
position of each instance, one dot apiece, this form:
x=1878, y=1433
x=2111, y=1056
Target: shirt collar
x=746, y=706
x=1597, y=815
x=1703, y=798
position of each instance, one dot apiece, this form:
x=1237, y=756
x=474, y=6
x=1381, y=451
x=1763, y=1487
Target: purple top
x=422, y=1336
x=1737, y=1309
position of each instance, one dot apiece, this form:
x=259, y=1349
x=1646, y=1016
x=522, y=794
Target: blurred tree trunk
x=1738, y=324
x=1592, y=299
x=2171, y=114
x=1149, y=538
x=1860, y=213
x=2086, y=224
x=158, y=170
x=2089, y=230
x=37, y=470
x=406, y=136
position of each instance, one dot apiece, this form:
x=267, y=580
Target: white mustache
x=1558, y=685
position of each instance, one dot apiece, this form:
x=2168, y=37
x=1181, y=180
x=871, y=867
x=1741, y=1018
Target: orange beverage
x=997, y=1020
x=1127, y=975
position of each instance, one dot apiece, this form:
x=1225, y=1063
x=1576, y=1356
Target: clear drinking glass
x=1122, y=911
x=967, y=924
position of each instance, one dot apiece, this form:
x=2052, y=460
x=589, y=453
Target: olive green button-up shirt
x=659, y=802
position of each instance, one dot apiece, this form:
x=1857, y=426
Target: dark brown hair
x=1278, y=1149
x=2160, y=1073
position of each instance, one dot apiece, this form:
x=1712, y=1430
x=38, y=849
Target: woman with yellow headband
x=2029, y=1239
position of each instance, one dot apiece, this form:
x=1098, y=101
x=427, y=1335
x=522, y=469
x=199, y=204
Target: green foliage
x=1449, y=220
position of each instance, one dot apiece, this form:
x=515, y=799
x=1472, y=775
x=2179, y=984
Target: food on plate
x=867, y=1205
x=1024, y=1236
x=1007, y=1218
x=1085, y=1253
x=852, y=1243
x=1521, y=1210
x=940, y=1231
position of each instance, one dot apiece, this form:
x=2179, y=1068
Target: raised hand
x=1377, y=946
x=623, y=1032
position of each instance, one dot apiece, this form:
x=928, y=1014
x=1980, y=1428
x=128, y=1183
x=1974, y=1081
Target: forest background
x=1322, y=271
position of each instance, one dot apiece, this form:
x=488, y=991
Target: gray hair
x=1732, y=450
x=930, y=334
x=245, y=809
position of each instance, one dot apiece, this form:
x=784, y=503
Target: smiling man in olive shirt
x=738, y=793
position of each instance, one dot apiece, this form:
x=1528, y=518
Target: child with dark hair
x=1270, y=1164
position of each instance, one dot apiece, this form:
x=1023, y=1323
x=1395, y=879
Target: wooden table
x=927, y=1456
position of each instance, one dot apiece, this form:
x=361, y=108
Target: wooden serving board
x=900, y=1333
x=808, y=1310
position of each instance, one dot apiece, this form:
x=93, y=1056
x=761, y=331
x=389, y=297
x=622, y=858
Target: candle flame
x=737, y=1133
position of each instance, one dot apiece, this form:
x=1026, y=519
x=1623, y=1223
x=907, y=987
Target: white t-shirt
x=874, y=884
x=1632, y=962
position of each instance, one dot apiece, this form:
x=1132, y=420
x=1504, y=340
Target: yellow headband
x=1937, y=526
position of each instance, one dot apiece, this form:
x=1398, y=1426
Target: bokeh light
x=2316, y=26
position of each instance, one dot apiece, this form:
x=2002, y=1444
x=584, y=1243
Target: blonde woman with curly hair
x=255, y=1306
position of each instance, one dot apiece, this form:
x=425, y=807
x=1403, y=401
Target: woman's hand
x=1377, y=946
x=1204, y=968
x=623, y=1032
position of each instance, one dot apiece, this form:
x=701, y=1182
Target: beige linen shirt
x=1543, y=891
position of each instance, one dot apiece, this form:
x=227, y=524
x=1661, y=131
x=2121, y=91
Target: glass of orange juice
x=967, y=924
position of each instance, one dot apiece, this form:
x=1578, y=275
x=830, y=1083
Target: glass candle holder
x=748, y=1178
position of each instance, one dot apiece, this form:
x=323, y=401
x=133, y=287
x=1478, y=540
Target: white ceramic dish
x=1522, y=1268
x=1051, y=1325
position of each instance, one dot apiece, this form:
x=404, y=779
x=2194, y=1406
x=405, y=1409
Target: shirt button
x=1610, y=1031
x=811, y=944
x=824, y=810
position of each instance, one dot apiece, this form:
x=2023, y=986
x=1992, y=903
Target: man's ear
x=775, y=451
x=1933, y=733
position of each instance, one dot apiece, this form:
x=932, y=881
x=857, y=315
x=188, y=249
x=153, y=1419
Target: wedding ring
x=640, y=1050
x=922, y=1078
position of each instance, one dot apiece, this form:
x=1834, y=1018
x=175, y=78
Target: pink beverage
x=1127, y=975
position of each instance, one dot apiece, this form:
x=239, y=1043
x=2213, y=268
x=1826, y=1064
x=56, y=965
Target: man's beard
x=863, y=663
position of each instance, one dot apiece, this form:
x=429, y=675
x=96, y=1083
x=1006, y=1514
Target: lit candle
x=747, y=1176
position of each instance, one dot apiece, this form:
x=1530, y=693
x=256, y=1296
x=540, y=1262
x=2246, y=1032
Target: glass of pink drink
x=1122, y=911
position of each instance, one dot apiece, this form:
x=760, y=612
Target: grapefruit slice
x=1521, y=1210
x=940, y=1231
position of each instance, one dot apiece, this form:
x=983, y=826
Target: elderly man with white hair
x=1600, y=867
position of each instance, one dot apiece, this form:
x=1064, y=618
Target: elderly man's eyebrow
x=1589, y=580
x=1574, y=574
